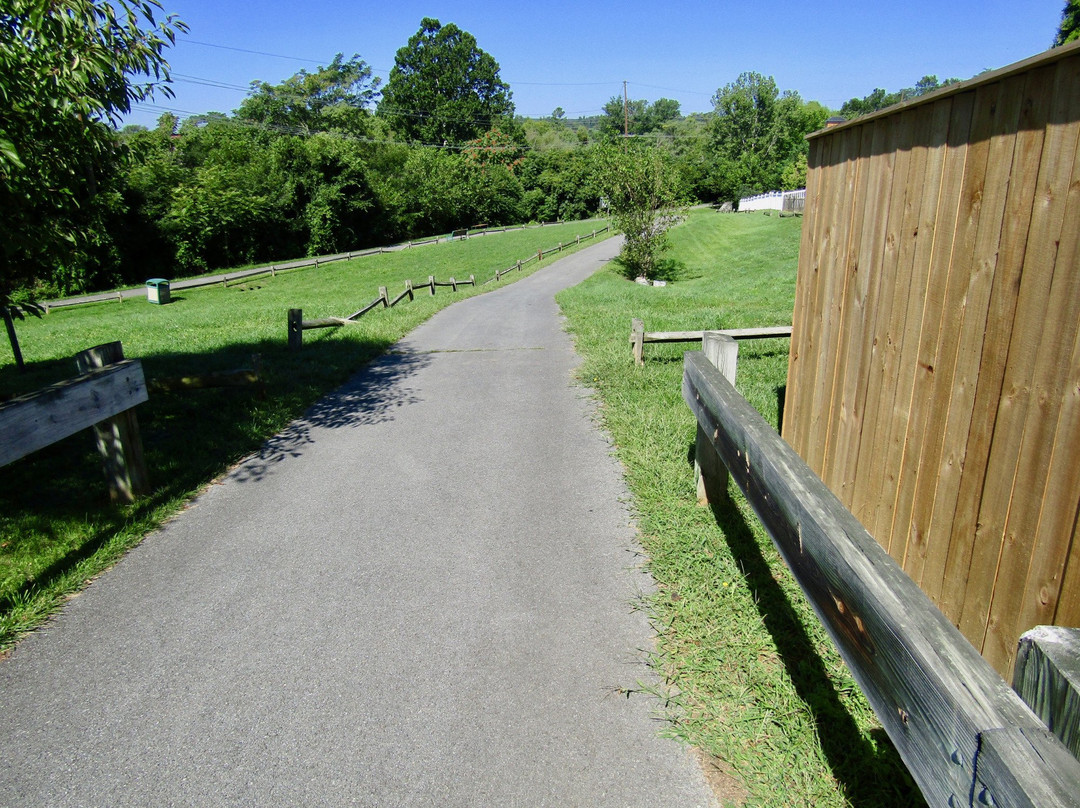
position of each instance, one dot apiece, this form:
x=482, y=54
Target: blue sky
x=577, y=54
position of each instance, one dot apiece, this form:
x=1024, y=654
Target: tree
x=644, y=198
x=68, y=69
x=757, y=132
x=641, y=116
x=1069, y=29
x=335, y=97
x=444, y=90
x=880, y=99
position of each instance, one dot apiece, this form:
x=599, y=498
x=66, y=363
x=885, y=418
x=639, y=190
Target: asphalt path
x=423, y=593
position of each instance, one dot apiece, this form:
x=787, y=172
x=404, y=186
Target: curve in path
x=422, y=593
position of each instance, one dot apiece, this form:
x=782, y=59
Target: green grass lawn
x=57, y=528
x=751, y=676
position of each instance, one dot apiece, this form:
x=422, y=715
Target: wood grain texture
x=1047, y=677
x=931, y=381
x=934, y=694
x=40, y=419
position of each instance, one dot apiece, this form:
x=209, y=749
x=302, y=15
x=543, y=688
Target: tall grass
x=57, y=528
x=751, y=677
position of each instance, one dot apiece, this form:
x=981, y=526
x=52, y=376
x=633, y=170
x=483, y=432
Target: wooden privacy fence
x=297, y=325
x=934, y=375
x=965, y=735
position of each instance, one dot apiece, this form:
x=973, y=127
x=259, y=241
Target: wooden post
x=710, y=474
x=13, y=337
x=637, y=339
x=408, y=288
x=296, y=329
x=519, y=266
x=1047, y=677
x=540, y=254
x=964, y=735
x=453, y=284
x=431, y=283
x=119, y=440
x=273, y=271
x=385, y=298
x=472, y=280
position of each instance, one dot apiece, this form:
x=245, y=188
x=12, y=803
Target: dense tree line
x=330, y=160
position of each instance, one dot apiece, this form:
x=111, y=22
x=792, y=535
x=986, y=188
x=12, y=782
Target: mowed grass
x=751, y=677
x=57, y=528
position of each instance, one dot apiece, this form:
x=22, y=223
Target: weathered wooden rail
x=103, y=398
x=966, y=737
x=1047, y=677
x=297, y=325
x=281, y=266
x=639, y=336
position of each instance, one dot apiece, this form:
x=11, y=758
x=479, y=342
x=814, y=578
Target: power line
x=255, y=52
x=386, y=71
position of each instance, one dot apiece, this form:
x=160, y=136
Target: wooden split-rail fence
x=273, y=269
x=297, y=325
x=639, y=336
x=104, y=397
x=967, y=738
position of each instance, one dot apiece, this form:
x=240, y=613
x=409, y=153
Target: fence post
x=431, y=283
x=453, y=284
x=637, y=339
x=296, y=329
x=5, y=311
x=472, y=280
x=118, y=438
x=1047, y=677
x=408, y=288
x=710, y=473
x=385, y=298
x=519, y=266
x=540, y=254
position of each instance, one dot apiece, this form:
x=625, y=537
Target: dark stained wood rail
x=967, y=738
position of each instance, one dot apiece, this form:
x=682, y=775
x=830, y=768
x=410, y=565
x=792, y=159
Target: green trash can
x=157, y=291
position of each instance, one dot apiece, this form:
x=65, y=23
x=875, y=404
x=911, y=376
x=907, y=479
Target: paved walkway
x=421, y=594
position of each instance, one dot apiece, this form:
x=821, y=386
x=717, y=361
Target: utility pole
x=626, y=112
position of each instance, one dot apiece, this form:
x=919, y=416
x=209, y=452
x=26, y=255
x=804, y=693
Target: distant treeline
x=327, y=161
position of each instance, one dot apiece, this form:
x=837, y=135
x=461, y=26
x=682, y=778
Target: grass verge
x=751, y=677
x=57, y=528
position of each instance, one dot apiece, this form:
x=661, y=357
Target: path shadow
x=55, y=501
x=868, y=769
x=370, y=397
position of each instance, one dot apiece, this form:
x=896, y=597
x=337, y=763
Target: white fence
x=787, y=201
